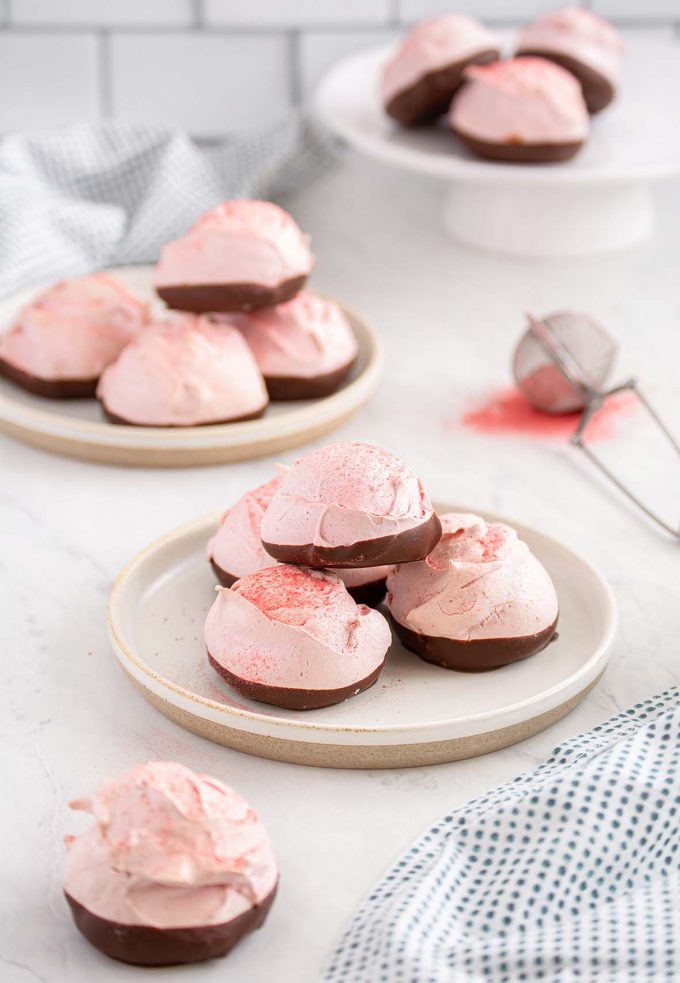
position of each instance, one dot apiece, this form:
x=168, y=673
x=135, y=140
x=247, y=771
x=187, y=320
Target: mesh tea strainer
x=561, y=365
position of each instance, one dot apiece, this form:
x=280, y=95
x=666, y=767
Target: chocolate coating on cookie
x=142, y=945
x=285, y=388
x=294, y=699
x=431, y=96
x=50, y=388
x=207, y=298
x=598, y=91
x=403, y=547
x=520, y=153
x=475, y=655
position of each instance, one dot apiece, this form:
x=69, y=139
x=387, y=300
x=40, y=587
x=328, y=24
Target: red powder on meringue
x=509, y=412
x=278, y=591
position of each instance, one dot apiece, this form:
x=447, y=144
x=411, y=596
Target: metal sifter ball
x=589, y=347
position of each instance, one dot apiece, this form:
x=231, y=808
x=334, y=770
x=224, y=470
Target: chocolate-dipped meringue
x=239, y=256
x=63, y=340
x=480, y=600
x=176, y=868
x=295, y=638
x=236, y=548
x=582, y=42
x=420, y=79
x=183, y=372
x=349, y=505
x=304, y=348
x=524, y=110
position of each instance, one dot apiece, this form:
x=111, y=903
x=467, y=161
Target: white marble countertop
x=449, y=318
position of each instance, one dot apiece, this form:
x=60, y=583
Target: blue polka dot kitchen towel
x=571, y=872
x=110, y=193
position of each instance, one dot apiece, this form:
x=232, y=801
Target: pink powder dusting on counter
x=509, y=412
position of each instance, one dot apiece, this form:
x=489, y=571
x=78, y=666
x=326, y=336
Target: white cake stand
x=601, y=201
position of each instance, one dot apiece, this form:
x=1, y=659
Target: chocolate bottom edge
x=476, y=655
x=213, y=298
x=284, y=388
x=403, y=547
x=142, y=945
x=121, y=421
x=370, y=594
x=294, y=699
x=431, y=95
x=520, y=153
x=598, y=91
x=49, y=388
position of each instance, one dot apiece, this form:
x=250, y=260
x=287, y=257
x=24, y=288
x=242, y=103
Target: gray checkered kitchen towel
x=569, y=873
x=110, y=193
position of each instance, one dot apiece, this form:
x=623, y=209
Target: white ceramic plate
x=636, y=138
x=415, y=714
x=77, y=427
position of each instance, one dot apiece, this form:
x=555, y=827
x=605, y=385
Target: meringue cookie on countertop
x=176, y=867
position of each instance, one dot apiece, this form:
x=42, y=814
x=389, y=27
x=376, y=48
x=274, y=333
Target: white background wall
x=214, y=65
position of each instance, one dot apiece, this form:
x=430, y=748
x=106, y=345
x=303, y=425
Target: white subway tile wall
x=47, y=79
x=103, y=13
x=319, y=49
x=201, y=82
x=210, y=66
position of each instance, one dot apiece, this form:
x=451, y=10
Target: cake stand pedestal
x=543, y=221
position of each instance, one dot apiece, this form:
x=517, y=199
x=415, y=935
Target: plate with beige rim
x=77, y=428
x=416, y=713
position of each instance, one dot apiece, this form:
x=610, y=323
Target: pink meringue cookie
x=583, y=43
x=183, y=372
x=432, y=56
x=294, y=637
x=523, y=109
x=240, y=255
x=236, y=549
x=349, y=505
x=305, y=348
x=169, y=849
x=71, y=332
x=481, y=587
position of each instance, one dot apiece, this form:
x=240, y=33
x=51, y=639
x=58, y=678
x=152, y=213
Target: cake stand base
x=545, y=221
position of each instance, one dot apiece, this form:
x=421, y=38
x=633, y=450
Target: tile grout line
x=394, y=15
x=294, y=67
x=105, y=80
